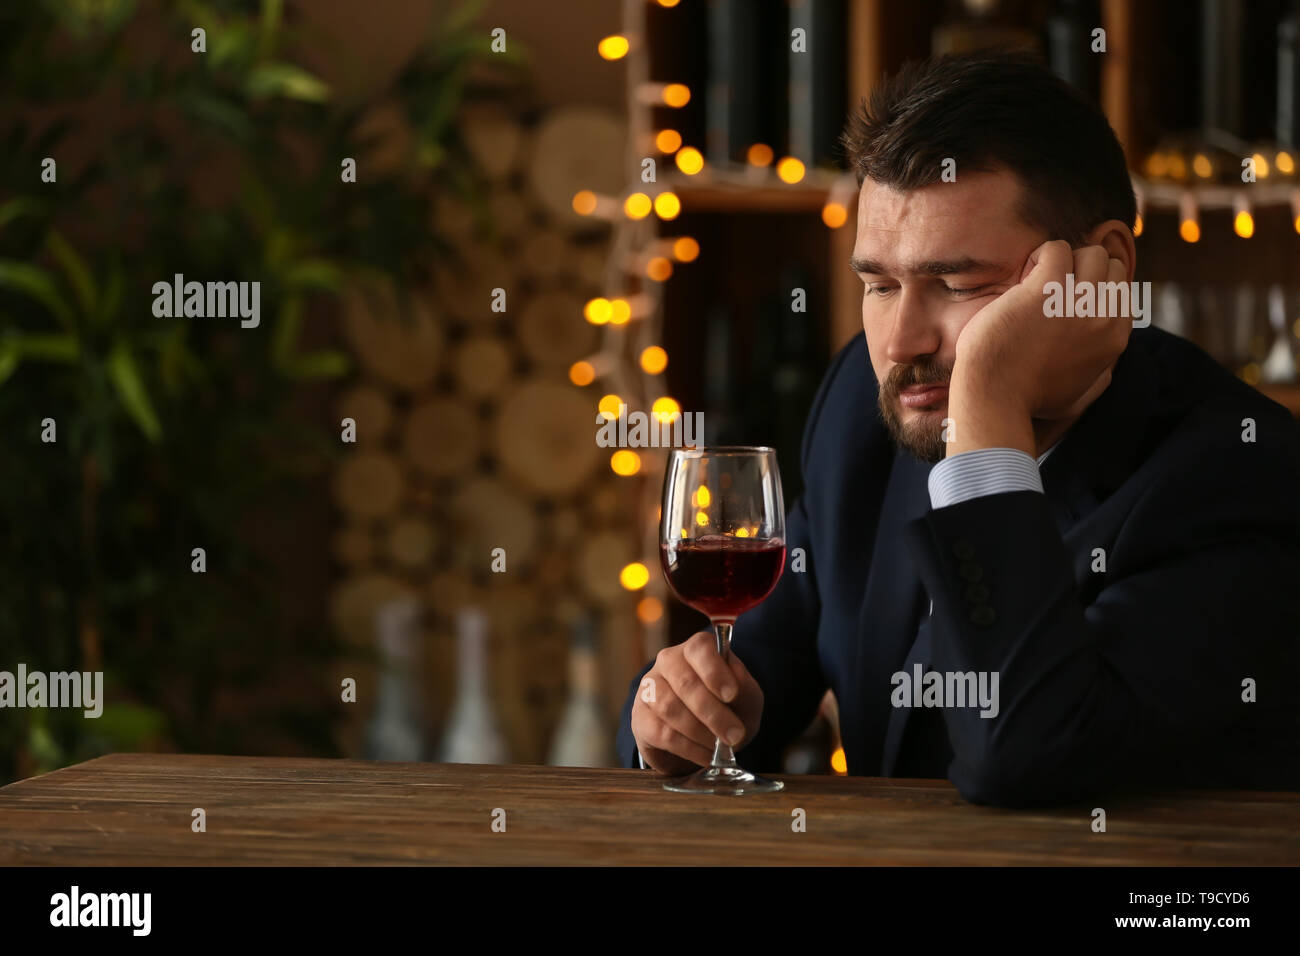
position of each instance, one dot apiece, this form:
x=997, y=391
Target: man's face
x=930, y=259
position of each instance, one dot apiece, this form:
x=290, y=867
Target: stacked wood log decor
x=470, y=437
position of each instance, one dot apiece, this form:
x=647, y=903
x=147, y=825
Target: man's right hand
x=695, y=696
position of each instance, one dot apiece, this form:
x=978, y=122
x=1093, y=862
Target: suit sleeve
x=1145, y=684
x=776, y=641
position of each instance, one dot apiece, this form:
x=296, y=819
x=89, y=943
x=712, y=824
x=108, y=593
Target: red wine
x=721, y=576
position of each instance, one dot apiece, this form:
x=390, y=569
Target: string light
x=665, y=409
x=689, y=160
x=1295, y=209
x=584, y=202
x=620, y=310
x=649, y=610
x=668, y=141
x=686, y=249
x=613, y=47
x=659, y=269
x=608, y=407
x=637, y=206
x=1261, y=165
x=582, y=373
x=1284, y=163
x=677, y=95
x=1243, y=223
x=1189, y=226
x=625, y=463
x=790, y=170
x=597, y=311
x=634, y=576
x=653, y=360
x=760, y=154
x=1137, y=225
x=834, y=215
x=1202, y=166
x=667, y=205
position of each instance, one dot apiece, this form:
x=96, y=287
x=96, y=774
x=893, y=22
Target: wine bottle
x=397, y=725
x=746, y=94
x=1288, y=79
x=817, y=80
x=1069, y=45
x=583, y=737
x=472, y=732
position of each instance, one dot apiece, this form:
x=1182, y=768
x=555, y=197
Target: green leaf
x=37, y=284
x=129, y=725
x=225, y=117
x=8, y=360
x=272, y=13
x=285, y=79
x=318, y=365
x=318, y=273
x=83, y=283
x=56, y=347
x=20, y=206
x=285, y=335
x=112, y=298
x=126, y=379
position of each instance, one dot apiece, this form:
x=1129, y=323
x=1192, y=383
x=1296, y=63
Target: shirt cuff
x=982, y=471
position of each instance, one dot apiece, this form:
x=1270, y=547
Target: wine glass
x=722, y=548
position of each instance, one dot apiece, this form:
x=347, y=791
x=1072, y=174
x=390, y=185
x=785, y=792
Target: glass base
x=728, y=781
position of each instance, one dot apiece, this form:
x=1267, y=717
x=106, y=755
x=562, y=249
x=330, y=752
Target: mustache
x=905, y=376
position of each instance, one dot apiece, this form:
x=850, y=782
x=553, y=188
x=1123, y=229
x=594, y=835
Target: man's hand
x=1016, y=364
x=697, y=697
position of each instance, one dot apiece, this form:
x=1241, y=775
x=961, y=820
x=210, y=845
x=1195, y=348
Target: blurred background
x=378, y=524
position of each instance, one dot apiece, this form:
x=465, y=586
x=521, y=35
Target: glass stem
x=723, y=756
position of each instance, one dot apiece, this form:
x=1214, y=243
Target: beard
x=923, y=435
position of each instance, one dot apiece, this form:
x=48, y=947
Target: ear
x=1117, y=239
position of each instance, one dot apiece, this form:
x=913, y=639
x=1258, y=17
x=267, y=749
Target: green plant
x=178, y=433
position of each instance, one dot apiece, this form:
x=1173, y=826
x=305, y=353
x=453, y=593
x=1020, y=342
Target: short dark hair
x=992, y=110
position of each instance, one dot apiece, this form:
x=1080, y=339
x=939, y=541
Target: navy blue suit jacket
x=1131, y=677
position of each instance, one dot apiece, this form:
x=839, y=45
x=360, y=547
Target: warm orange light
x=625, y=463
x=1284, y=163
x=1137, y=225
x=1261, y=165
x=1243, y=224
x=1177, y=166
x=838, y=762
x=701, y=519
x=834, y=215
x=665, y=409
x=659, y=269
x=597, y=311
x=1190, y=230
x=584, y=202
x=1157, y=165
x=667, y=205
x=790, y=170
x=742, y=532
x=689, y=160
x=760, y=154
x=649, y=610
x=1201, y=166
x=1297, y=223
x=608, y=407
x=668, y=141
x=582, y=373
x=669, y=3
x=637, y=206
x=677, y=94
x=686, y=249
x=634, y=576
x=613, y=47
x=654, y=360
x=620, y=310
x=702, y=497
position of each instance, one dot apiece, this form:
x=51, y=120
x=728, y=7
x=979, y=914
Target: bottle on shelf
x=397, y=726
x=473, y=734
x=583, y=737
x=818, y=80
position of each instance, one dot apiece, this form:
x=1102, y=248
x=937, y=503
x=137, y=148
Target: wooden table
x=135, y=809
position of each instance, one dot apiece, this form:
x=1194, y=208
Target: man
x=1094, y=524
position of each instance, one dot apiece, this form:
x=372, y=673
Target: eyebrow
x=931, y=267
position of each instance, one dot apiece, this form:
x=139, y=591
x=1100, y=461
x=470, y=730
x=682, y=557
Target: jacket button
x=977, y=593
x=970, y=571
x=983, y=616
x=963, y=549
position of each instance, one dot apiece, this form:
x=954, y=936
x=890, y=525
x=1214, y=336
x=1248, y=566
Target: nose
x=914, y=335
